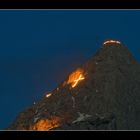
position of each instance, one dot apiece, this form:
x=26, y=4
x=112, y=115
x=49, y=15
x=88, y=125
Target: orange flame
x=47, y=124
x=77, y=80
x=48, y=95
x=75, y=77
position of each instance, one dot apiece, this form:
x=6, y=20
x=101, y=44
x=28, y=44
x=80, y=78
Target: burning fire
x=75, y=78
x=47, y=124
x=48, y=95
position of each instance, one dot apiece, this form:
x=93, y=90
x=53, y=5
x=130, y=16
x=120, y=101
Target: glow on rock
x=75, y=78
x=48, y=95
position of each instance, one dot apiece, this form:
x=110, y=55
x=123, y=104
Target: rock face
x=102, y=94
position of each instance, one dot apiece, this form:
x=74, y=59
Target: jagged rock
x=92, y=123
x=109, y=83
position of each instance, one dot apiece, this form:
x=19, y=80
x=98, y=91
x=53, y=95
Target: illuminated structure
x=111, y=43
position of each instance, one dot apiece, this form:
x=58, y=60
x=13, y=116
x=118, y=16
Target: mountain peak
x=103, y=93
x=114, y=52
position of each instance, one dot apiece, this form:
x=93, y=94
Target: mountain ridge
x=101, y=94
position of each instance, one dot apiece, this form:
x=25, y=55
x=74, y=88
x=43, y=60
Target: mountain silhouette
x=102, y=94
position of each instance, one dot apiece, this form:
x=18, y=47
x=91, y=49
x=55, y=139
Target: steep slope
x=103, y=93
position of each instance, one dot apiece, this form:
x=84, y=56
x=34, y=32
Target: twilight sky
x=38, y=48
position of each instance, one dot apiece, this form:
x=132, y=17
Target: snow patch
x=73, y=100
x=35, y=119
x=97, y=90
x=81, y=117
x=96, y=63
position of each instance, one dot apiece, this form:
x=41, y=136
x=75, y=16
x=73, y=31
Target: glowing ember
x=111, y=41
x=75, y=77
x=47, y=124
x=48, y=95
x=77, y=80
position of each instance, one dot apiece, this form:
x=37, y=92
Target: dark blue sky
x=38, y=48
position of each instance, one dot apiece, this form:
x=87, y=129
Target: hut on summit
x=109, y=43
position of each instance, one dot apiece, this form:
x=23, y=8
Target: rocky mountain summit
x=102, y=94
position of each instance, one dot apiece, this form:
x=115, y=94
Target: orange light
x=47, y=124
x=77, y=80
x=48, y=95
x=75, y=77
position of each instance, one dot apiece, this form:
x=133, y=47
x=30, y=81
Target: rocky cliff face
x=102, y=94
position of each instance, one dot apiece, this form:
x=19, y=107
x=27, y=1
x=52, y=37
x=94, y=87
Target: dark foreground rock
x=98, y=123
